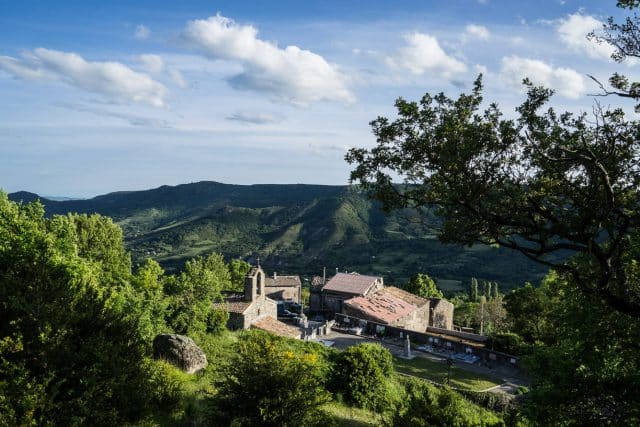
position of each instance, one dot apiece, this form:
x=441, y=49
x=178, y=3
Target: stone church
x=251, y=306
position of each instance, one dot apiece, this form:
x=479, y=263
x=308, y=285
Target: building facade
x=391, y=306
x=283, y=288
x=252, y=305
x=344, y=286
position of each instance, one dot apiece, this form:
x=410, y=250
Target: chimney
x=275, y=275
x=324, y=275
x=336, y=270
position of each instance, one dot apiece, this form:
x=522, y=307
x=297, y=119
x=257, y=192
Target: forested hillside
x=294, y=228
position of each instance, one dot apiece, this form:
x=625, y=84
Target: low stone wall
x=450, y=343
x=464, y=335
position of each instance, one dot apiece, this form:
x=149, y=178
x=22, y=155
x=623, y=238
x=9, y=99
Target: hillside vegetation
x=295, y=229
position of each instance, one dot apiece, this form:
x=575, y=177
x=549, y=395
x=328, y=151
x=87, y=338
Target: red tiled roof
x=233, y=303
x=354, y=284
x=405, y=296
x=283, y=281
x=269, y=324
x=382, y=307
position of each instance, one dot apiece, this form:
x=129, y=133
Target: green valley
x=296, y=229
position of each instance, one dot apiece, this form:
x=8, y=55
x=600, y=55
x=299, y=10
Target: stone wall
x=418, y=320
x=259, y=309
x=453, y=344
x=441, y=313
x=333, y=302
x=283, y=293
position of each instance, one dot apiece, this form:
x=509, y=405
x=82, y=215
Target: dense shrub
x=71, y=347
x=271, y=382
x=364, y=375
x=509, y=342
x=427, y=405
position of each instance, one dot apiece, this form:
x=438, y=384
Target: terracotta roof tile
x=269, y=324
x=283, y=281
x=382, y=307
x=233, y=303
x=354, y=284
x=405, y=296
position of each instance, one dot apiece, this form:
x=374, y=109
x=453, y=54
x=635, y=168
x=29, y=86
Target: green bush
x=508, y=342
x=271, y=382
x=72, y=350
x=427, y=405
x=365, y=376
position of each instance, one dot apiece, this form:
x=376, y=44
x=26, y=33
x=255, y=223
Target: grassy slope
x=219, y=350
x=295, y=229
x=437, y=371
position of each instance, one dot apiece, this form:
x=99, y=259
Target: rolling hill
x=294, y=229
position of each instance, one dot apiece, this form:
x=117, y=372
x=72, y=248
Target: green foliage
x=527, y=311
x=587, y=370
x=363, y=374
x=547, y=185
x=426, y=405
x=148, y=295
x=508, y=342
x=473, y=294
x=298, y=226
x=271, y=382
x=192, y=294
x=465, y=314
x=99, y=240
x=238, y=270
x=71, y=350
x=423, y=286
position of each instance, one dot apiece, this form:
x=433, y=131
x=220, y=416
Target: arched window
x=258, y=283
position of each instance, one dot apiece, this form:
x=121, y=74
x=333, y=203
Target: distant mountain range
x=294, y=229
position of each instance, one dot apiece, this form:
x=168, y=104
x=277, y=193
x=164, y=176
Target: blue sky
x=126, y=95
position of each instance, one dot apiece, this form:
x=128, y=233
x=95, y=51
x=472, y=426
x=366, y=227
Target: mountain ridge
x=297, y=228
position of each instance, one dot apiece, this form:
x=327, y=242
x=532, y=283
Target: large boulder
x=180, y=351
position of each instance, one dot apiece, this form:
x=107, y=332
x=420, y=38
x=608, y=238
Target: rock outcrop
x=181, y=351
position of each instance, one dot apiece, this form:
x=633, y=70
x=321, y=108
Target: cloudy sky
x=101, y=96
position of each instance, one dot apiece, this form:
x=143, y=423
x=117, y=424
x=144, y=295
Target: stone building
x=441, y=313
x=391, y=306
x=274, y=326
x=315, y=294
x=343, y=286
x=252, y=305
x=283, y=288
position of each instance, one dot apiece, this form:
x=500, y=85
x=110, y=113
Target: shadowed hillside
x=294, y=229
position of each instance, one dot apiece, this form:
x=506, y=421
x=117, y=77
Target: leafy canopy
x=423, y=286
x=72, y=341
x=546, y=184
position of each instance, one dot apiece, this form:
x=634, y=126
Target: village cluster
x=360, y=304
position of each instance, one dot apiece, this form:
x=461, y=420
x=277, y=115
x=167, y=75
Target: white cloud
x=423, y=54
x=178, y=79
x=132, y=119
x=292, y=74
x=112, y=79
x=481, y=69
x=573, y=32
x=142, y=32
x=255, y=118
x=151, y=63
x=566, y=81
x=476, y=32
